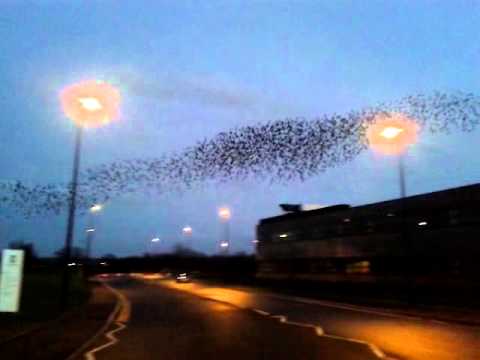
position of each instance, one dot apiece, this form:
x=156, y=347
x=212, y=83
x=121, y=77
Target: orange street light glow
x=224, y=213
x=392, y=133
x=90, y=103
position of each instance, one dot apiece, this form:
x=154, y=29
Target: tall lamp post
x=391, y=134
x=225, y=214
x=90, y=103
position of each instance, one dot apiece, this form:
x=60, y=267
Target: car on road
x=183, y=278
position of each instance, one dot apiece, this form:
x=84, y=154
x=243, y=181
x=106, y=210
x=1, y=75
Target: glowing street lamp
x=224, y=213
x=88, y=104
x=187, y=230
x=96, y=208
x=392, y=134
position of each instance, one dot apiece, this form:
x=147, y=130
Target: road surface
x=200, y=321
x=169, y=324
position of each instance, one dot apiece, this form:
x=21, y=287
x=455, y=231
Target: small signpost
x=11, y=280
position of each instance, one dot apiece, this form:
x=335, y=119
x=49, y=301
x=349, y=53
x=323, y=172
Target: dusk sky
x=187, y=70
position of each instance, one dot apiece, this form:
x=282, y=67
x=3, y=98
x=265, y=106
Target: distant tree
x=240, y=253
x=109, y=256
x=76, y=253
x=184, y=251
x=30, y=255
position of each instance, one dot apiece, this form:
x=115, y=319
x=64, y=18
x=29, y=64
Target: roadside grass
x=40, y=298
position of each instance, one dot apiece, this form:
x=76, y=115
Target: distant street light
x=152, y=244
x=89, y=103
x=187, y=233
x=187, y=230
x=225, y=214
x=96, y=208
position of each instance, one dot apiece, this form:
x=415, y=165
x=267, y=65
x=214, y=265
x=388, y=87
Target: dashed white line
x=261, y=312
x=320, y=332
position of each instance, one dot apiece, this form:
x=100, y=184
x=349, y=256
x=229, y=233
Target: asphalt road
x=203, y=321
x=400, y=337
x=166, y=323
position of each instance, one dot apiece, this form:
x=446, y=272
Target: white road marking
x=90, y=355
x=125, y=306
x=320, y=332
x=261, y=312
x=122, y=317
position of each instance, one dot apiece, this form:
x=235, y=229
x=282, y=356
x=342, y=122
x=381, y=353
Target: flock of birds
x=280, y=151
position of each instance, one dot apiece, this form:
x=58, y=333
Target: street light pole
x=90, y=235
x=227, y=236
x=391, y=134
x=90, y=103
x=187, y=233
x=65, y=284
x=225, y=214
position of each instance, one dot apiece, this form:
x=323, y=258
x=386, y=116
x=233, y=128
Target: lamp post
x=187, y=233
x=90, y=103
x=153, y=241
x=391, y=134
x=94, y=209
x=225, y=214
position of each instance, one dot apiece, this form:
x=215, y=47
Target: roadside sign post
x=11, y=280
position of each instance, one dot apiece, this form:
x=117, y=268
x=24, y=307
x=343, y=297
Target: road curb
x=102, y=330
